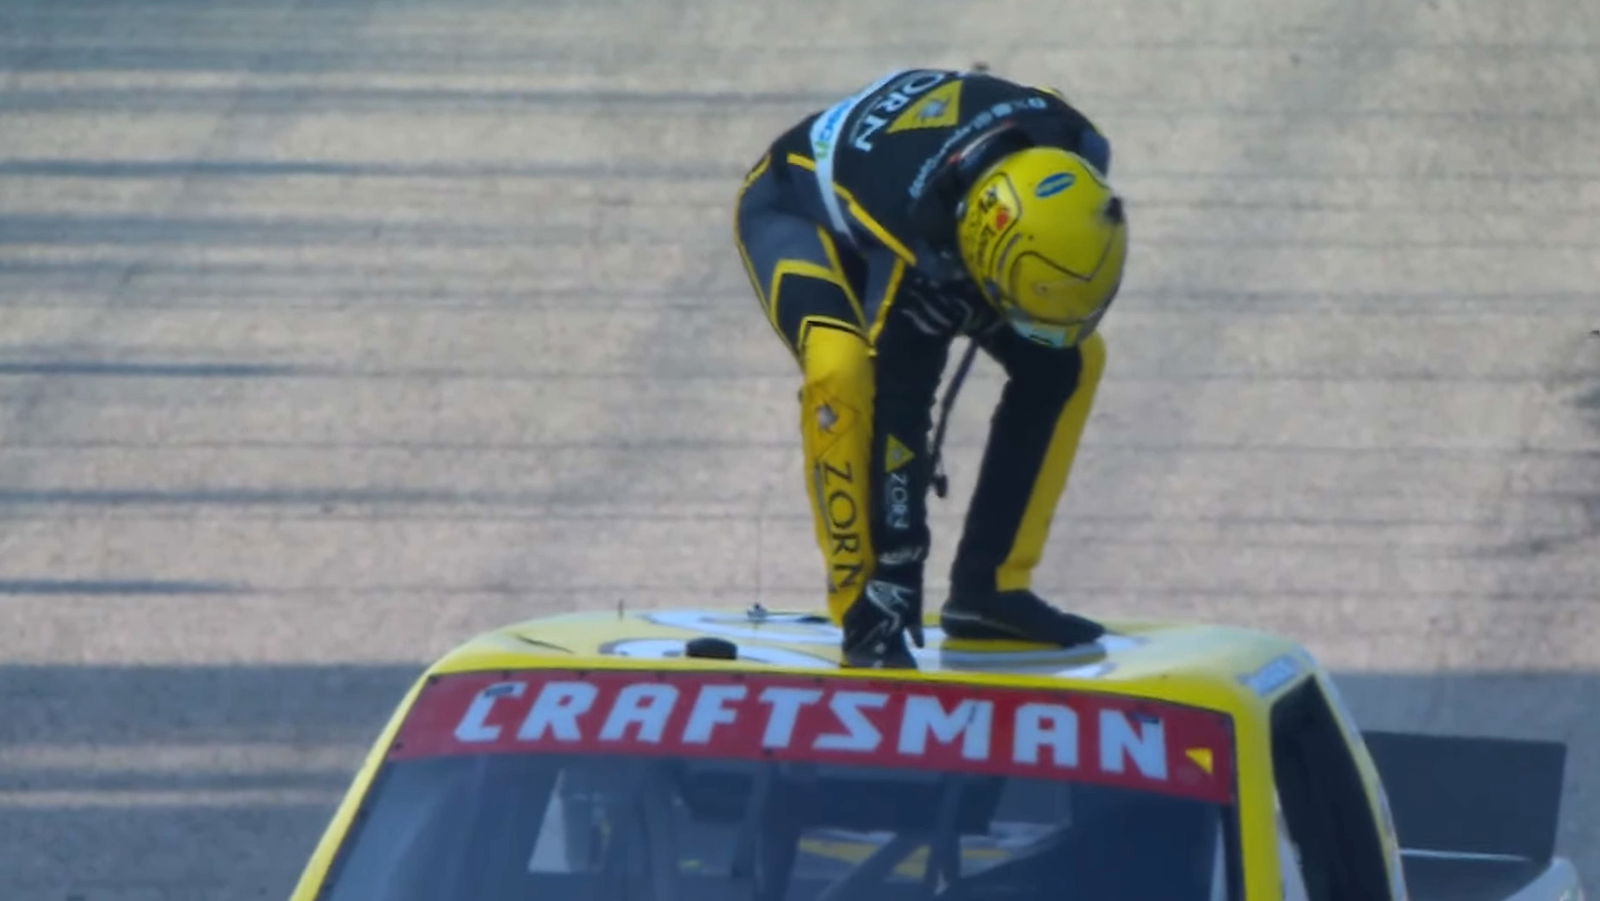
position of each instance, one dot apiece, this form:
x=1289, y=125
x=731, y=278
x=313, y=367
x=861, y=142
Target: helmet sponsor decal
x=993, y=215
x=1054, y=184
x=998, y=204
x=1072, y=736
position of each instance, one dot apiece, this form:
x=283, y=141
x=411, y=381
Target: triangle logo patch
x=939, y=108
x=896, y=454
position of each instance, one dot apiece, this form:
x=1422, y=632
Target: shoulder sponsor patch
x=1033, y=733
x=1054, y=184
x=890, y=101
x=941, y=108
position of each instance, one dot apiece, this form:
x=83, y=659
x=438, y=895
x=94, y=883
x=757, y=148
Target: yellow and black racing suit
x=847, y=228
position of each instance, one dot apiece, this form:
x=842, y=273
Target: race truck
x=702, y=755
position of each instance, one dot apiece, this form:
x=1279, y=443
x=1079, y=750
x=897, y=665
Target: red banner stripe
x=1076, y=736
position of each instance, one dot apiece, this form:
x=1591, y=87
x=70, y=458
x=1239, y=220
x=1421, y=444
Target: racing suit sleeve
x=916, y=322
x=910, y=349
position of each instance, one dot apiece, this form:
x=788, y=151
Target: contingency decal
x=1048, y=734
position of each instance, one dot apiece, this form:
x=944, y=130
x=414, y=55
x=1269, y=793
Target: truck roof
x=1220, y=667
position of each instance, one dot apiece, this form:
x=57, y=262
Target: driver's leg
x=797, y=274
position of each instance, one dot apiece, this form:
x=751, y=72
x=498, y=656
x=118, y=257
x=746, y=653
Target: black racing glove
x=945, y=308
x=895, y=590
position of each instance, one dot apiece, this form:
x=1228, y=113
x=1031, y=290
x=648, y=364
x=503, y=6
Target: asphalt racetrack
x=335, y=332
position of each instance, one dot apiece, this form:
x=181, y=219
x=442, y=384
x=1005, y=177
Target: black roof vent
x=711, y=648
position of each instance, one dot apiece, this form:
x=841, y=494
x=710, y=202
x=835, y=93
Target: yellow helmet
x=1043, y=235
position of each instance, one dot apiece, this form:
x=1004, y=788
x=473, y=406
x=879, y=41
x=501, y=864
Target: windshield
x=699, y=802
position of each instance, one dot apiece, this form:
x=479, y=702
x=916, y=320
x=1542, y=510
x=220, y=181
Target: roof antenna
x=619, y=609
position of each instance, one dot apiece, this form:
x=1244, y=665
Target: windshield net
x=645, y=786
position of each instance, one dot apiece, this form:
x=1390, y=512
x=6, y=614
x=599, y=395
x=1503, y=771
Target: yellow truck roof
x=1220, y=667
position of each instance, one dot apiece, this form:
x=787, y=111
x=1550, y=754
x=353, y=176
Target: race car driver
x=929, y=205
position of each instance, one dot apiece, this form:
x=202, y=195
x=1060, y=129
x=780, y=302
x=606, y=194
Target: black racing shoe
x=1015, y=616
x=875, y=635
